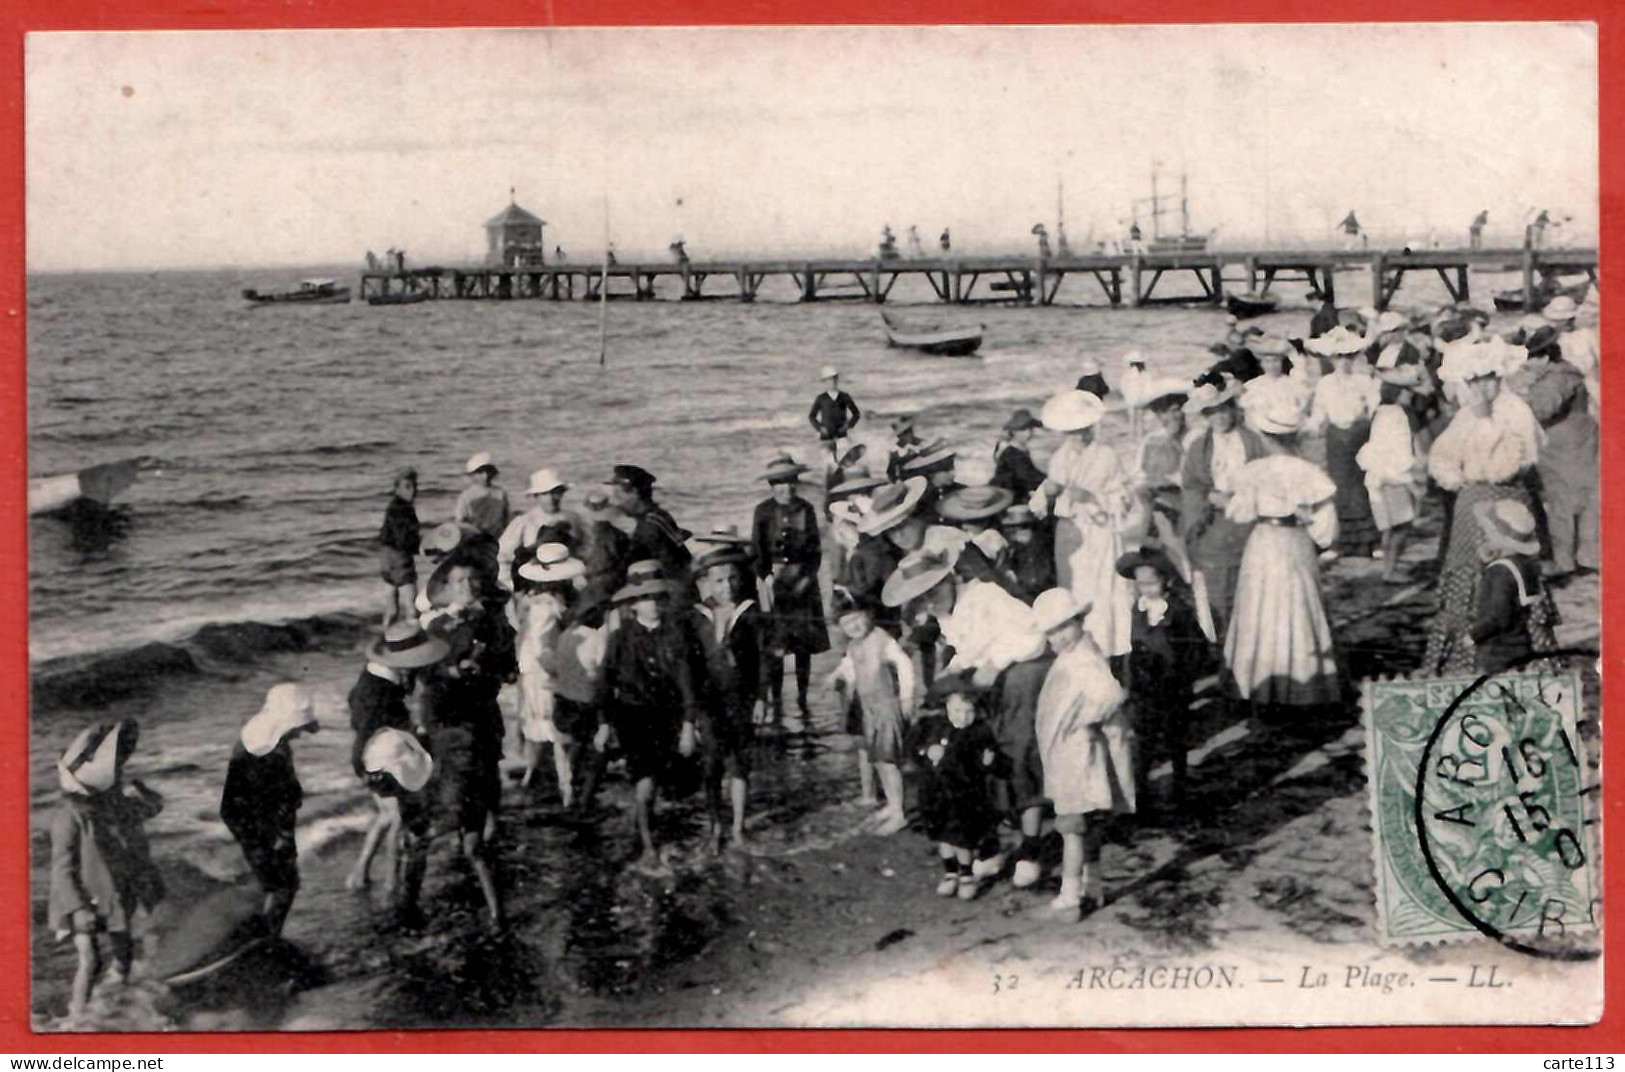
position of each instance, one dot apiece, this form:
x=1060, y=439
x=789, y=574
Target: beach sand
x=820, y=925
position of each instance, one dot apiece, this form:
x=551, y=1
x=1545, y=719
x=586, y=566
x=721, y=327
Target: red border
x=20, y=16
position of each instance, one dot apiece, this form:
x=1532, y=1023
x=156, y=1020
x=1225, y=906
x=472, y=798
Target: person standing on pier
x=784, y=530
x=945, y=241
x=833, y=414
x=1475, y=230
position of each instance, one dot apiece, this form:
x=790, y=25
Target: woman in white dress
x=1279, y=646
x=1093, y=500
x=1282, y=385
x=1393, y=458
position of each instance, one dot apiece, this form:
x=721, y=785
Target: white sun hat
x=1071, y=411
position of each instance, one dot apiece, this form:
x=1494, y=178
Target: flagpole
x=603, y=294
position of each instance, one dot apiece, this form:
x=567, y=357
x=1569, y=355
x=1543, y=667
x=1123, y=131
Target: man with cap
x=1568, y=461
x=907, y=445
x=377, y=701
x=935, y=462
x=784, y=531
x=655, y=533
x=1213, y=460
x=1091, y=379
x=1579, y=344
x=833, y=414
x=482, y=506
x=545, y=521
x=261, y=799
x=733, y=636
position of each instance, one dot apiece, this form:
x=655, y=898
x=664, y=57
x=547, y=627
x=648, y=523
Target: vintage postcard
x=849, y=527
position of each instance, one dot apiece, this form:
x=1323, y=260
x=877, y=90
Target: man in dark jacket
x=655, y=533
x=833, y=414
x=1568, y=466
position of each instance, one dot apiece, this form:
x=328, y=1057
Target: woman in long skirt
x=1092, y=499
x=1279, y=646
x=1482, y=456
x=1344, y=404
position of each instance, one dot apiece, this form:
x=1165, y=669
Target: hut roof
x=511, y=215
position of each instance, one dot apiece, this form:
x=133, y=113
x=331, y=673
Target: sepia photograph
x=813, y=527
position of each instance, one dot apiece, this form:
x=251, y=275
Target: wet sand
x=821, y=925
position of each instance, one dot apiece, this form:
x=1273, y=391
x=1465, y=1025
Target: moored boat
x=310, y=292
x=939, y=342
x=1248, y=305
x=409, y=297
x=96, y=484
x=1511, y=301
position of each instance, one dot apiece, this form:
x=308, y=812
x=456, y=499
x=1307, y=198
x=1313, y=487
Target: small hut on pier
x=514, y=237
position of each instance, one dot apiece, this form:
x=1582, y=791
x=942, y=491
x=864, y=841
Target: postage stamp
x=1482, y=807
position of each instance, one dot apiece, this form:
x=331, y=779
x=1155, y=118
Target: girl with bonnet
x=101, y=870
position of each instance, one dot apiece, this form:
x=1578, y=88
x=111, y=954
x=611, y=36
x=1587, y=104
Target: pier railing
x=1129, y=279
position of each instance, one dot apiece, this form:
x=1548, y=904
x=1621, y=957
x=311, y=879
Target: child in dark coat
x=398, y=547
x=101, y=870
x=961, y=757
x=260, y=803
x=1168, y=652
x=733, y=634
x=1515, y=614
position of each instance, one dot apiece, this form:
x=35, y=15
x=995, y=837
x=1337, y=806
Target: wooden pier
x=1122, y=279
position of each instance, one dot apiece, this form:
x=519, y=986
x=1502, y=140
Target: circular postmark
x=1505, y=802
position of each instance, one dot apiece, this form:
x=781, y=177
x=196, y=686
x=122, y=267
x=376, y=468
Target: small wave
x=99, y=679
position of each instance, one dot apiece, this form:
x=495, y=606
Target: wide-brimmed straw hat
x=974, y=504
x=918, y=573
x=91, y=763
x=643, y=590
x=725, y=555
x=1071, y=411
x=1277, y=415
x=783, y=469
x=934, y=456
x=892, y=505
x=958, y=683
x=288, y=706
x=1088, y=366
x=903, y=422
x=724, y=534
x=1560, y=309
x=552, y=564
x=1387, y=321
x=1021, y=420
x=1056, y=607
x=481, y=460
x=405, y=646
x=398, y=754
x=1338, y=342
x=1206, y=396
x=543, y=481
x=1542, y=338
x=1409, y=374
x=1133, y=357
x=1508, y=523
x=857, y=479
x=1270, y=344
x=1149, y=555
x=645, y=569
x=828, y=372
x=443, y=538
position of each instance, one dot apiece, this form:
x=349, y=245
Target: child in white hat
x=880, y=674
x=100, y=868
x=261, y=799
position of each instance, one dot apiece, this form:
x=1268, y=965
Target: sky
x=155, y=150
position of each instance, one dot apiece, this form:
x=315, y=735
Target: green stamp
x=1482, y=812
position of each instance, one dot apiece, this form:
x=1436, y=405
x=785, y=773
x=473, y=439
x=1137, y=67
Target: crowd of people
x=1029, y=648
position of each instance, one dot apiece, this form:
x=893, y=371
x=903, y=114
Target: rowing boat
x=310, y=292
x=954, y=342
x=1246, y=306
x=96, y=484
x=1511, y=301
